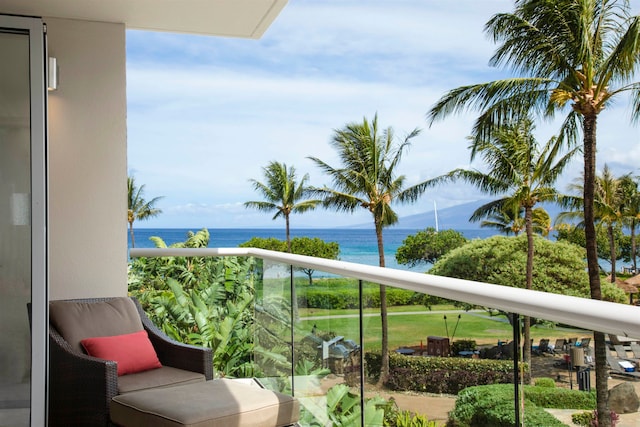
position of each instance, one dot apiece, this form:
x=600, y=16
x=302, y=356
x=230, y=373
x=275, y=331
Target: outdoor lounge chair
x=616, y=368
x=621, y=352
x=89, y=391
x=558, y=347
x=543, y=347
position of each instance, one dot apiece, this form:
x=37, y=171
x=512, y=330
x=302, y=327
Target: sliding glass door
x=23, y=242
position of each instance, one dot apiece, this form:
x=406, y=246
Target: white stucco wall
x=87, y=160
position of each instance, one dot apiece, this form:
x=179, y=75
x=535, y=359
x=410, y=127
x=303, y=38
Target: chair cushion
x=216, y=403
x=133, y=352
x=166, y=376
x=77, y=320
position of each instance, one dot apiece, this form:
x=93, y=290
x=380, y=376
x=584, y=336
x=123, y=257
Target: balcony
x=319, y=356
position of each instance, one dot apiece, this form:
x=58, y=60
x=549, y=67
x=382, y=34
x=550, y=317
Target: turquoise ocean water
x=356, y=245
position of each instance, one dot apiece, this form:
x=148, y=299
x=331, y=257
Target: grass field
x=411, y=325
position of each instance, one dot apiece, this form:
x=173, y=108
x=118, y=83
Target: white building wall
x=87, y=160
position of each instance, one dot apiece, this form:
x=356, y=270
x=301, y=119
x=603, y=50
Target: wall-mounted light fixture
x=52, y=76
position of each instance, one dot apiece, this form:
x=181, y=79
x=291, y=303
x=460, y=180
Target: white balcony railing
x=612, y=318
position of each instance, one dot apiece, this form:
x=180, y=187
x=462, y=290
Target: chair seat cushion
x=166, y=376
x=217, y=403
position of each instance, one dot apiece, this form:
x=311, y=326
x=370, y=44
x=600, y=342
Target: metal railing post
x=515, y=319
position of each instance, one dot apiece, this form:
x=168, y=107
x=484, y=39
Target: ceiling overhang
x=231, y=18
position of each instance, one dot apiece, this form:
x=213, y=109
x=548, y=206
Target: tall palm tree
x=564, y=53
x=283, y=194
x=367, y=179
x=138, y=207
x=523, y=174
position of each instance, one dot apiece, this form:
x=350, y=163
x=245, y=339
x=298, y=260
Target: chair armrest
x=175, y=354
x=80, y=386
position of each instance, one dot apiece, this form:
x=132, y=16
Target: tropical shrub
x=205, y=301
x=590, y=419
x=559, y=266
x=560, y=398
x=393, y=417
x=545, y=382
x=344, y=410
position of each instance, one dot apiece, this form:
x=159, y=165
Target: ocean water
x=356, y=245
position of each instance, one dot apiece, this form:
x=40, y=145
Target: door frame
x=39, y=316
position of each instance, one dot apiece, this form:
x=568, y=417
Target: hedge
x=349, y=298
x=446, y=375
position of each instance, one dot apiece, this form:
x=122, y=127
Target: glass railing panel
x=327, y=348
x=273, y=352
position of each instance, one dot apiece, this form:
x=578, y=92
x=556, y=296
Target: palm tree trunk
x=286, y=221
x=528, y=222
x=133, y=240
x=589, y=143
x=612, y=251
x=384, y=369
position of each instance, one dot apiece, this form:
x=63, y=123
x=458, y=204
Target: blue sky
x=205, y=114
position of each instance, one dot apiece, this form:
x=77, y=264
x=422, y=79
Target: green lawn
x=411, y=329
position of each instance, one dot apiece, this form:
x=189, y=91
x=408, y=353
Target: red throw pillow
x=133, y=352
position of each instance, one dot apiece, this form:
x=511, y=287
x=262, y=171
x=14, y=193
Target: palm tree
x=631, y=211
x=564, y=53
x=608, y=208
x=512, y=221
x=507, y=221
x=138, y=207
x=283, y=194
x=523, y=174
x=367, y=179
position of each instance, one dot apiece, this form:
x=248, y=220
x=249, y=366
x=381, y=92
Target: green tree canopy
x=428, y=246
x=502, y=260
x=309, y=246
x=268, y=243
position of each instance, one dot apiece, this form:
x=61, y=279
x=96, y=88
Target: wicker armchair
x=81, y=387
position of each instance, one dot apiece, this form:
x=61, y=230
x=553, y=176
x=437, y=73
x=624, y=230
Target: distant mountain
x=454, y=217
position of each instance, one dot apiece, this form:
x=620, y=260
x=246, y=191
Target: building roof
x=624, y=285
x=635, y=280
x=233, y=18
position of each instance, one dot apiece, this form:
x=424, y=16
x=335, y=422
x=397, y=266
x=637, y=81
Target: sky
x=206, y=114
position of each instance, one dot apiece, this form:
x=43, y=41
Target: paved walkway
x=626, y=420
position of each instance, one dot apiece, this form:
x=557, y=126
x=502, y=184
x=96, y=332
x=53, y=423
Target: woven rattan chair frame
x=81, y=387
